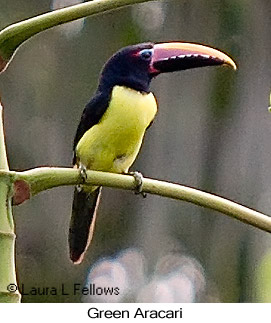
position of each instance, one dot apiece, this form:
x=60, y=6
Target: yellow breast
x=113, y=144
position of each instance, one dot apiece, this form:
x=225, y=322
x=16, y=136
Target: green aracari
x=114, y=121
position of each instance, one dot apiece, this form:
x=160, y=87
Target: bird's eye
x=146, y=54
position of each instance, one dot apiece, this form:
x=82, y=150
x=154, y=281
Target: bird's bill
x=176, y=56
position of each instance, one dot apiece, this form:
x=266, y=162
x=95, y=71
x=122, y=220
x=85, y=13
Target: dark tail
x=82, y=223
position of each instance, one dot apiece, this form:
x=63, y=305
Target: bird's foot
x=83, y=173
x=138, y=183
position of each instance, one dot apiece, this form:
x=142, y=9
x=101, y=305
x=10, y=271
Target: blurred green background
x=212, y=132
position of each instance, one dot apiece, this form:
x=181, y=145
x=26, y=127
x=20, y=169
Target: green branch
x=7, y=235
x=40, y=179
x=14, y=35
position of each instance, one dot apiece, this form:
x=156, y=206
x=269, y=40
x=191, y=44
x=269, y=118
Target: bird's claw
x=138, y=183
x=83, y=173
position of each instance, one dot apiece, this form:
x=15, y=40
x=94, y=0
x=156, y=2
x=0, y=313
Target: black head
x=135, y=66
x=129, y=67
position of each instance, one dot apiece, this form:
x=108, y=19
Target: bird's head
x=135, y=66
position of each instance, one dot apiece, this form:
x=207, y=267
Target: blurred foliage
x=263, y=279
x=212, y=132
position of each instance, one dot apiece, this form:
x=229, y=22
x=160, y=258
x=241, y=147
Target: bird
x=113, y=123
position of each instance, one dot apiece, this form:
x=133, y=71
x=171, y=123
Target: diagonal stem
x=14, y=35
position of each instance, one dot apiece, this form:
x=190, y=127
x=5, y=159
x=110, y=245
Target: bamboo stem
x=7, y=235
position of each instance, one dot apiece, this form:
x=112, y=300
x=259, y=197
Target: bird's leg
x=138, y=183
